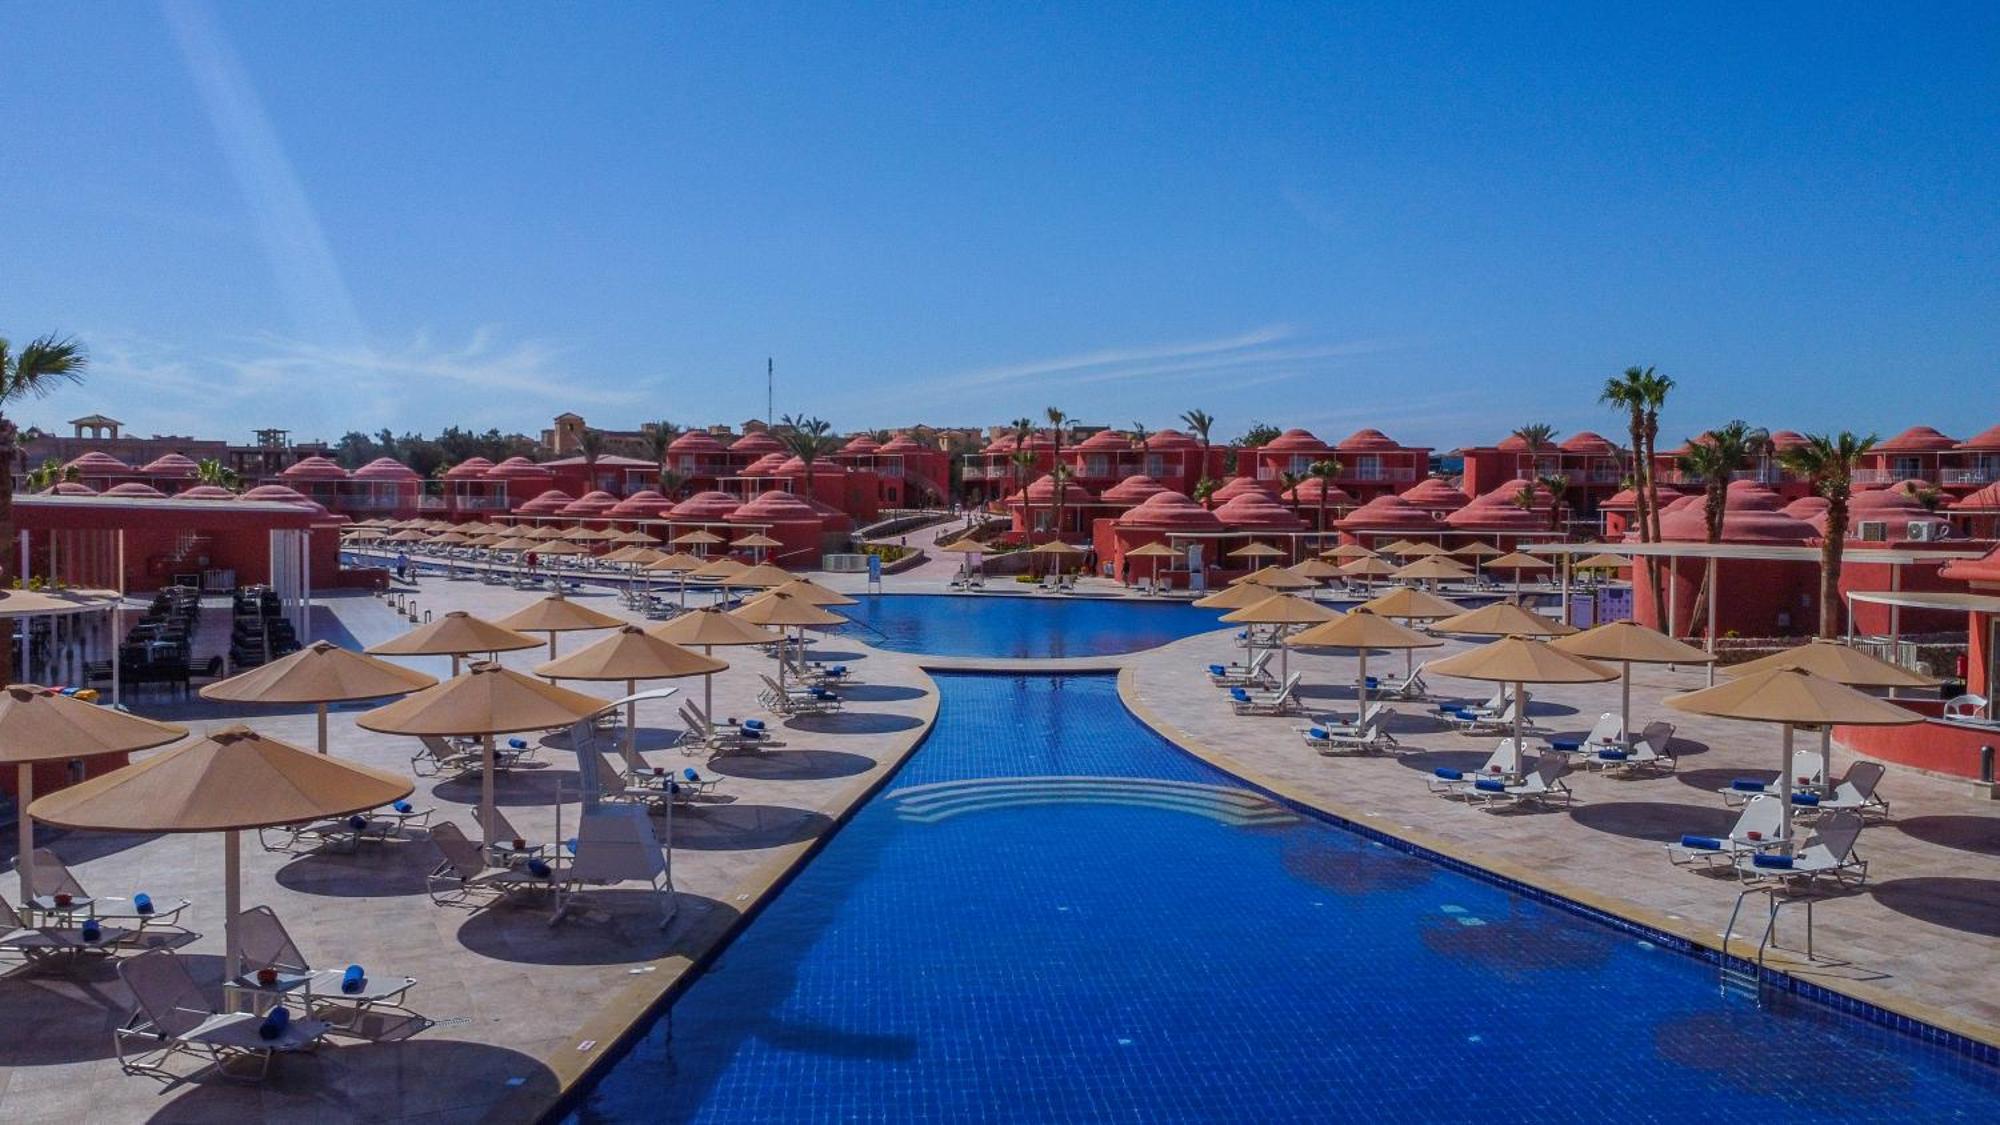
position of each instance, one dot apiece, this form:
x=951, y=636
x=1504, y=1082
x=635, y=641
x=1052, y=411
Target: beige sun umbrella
x=806, y=589
x=560, y=548
x=1281, y=610
x=1274, y=578
x=41, y=725
x=1361, y=630
x=1503, y=619
x=1520, y=564
x=1410, y=603
x=588, y=535
x=1520, y=661
x=1791, y=697
x=451, y=538
x=1397, y=549
x=455, y=634
x=1347, y=552
x=1629, y=643
x=1314, y=571
x=635, y=538
x=680, y=562
x=965, y=545
x=410, y=536
x=1431, y=569
x=756, y=542
x=320, y=673
x=557, y=614
x=1372, y=566
x=1424, y=551
x=779, y=611
x=763, y=576
x=1257, y=551
x=234, y=779
x=1602, y=561
x=631, y=654
x=544, y=532
x=1843, y=665
x=1152, y=550
x=696, y=538
x=723, y=568
x=1477, y=550
x=1241, y=596
x=484, y=701
x=625, y=556
x=709, y=628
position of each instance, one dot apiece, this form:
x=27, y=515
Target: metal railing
x=1979, y=474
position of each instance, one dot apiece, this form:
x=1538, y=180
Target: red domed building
x=1386, y=518
x=1164, y=517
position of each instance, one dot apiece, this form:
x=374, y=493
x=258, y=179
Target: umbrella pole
x=486, y=790
x=232, y=903
x=708, y=685
x=1826, y=758
x=1785, y=787
x=631, y=720
x=1520, y=715
x=24, y=775
x=1625, y=704
x=1361, y=690
x=322, y=728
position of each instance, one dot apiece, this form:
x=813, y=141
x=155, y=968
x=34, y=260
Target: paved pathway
x=1922, y=936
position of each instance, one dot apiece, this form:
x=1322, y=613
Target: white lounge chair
x=346, y=833
x=1283, y=701
x=36, y=944
x=1250, y=673
x=1409, y=689
x=465, y=872
x=1476, y=722
x=171, y=1016
x=1808, y=774
x=617, y=845
x=140, y=912
x=1759, y=827
x=1855, y=793
x=263, y=944
x=1504, y=763
x=728, y=736
x=436, y=755
x=1538, y=787
x=1651, y=751
x=1369, y=736
x=790, y=699
x=1829, y=853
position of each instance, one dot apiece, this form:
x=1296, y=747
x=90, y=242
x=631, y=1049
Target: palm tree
x=1641, y=392
x=1653, y=389
x=32, y=372
x=1024, y=463
x=1558, y=488
x=1023, y=429
x=45, y=476
x=1200, y=423
x=809, y=440
x=1288, y=486
x=1829, y=461
x=1060, y=474
x=213, y=472
x=1326, y=471
x=1139, y=435
x=1057, y=421
x=590, y=443
x=659, y=440
x=1712, y=459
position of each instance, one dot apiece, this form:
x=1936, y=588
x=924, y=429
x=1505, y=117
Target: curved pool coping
x=1963, y=1036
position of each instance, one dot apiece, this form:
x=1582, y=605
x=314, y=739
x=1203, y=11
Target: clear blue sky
x=1444, y=221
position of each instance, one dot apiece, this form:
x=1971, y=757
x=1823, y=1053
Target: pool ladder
x=1750, y=981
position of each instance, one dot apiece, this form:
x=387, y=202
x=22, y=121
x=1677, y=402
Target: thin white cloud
x=1111, y=360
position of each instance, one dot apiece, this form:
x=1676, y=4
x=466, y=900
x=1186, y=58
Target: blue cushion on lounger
x=404, y=807
x=1490, y=785
x=1371, y=681
x=1705, y=843
x=142, y=903
x=1747, y=785
x=692, y=774
x=1566, y=744
x=1239, y=694
x=570, y=844
x=358, y=822
x=1319, y=733
x=275, y=1022
x=92, y=930
x=517, y=744
x=1449, y=774
x=753, y=724
x=353, y=980
x=1806, y=799
x=1217, y=670
x=538, y=869
x=1612, y=755
x=822, y=693
x=1781, y=862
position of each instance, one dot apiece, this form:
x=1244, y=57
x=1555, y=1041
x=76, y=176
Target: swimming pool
x=1052, y=914
x=1001, y=625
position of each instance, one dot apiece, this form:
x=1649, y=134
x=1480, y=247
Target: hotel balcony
x=1876, y=476
x=1981, y=474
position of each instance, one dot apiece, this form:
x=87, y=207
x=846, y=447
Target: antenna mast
x=770, y=375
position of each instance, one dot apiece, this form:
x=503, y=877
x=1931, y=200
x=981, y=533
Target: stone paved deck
x=512, y=999
x=1922, y=937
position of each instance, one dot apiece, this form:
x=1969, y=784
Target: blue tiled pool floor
x=1001, y=625
x=1035, y=954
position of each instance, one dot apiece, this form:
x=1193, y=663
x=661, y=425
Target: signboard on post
x=875, y=572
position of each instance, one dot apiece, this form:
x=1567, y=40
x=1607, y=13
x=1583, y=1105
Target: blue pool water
x=1125, y=935
x=1008, y=626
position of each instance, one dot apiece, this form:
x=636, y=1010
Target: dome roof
x=1367, y=441
x=205, y=492
x=1043, y=491
x=1388, y=512
x=1237, y=486
x=1499, y=510
x=314, y=468
x=1002, y=444
x=72, y=488
x=1750, y=515
x=1782, y=440
x=1296, y=441
x=1103, y=440
x=1984, y=569
x=1589, y=444
x=1917, y=439
x=170, y=465
x=1167, y=510
x=133, y=490
x=96, y=464
x=518, y=468
x=594, y=503
x=1132, y=490
x=469, y=468
x=1257, y=509
x=1513, y=443
x=1985, y=500
x=901, y=443
x=283, y=494
x=386, y=468
x=1306, y=495
x=1987, y=439
x=1171, y=439
x=695, y=441
x=547, y=504
x=1436, y=495
x=794, y=467
x=756, y=442
x=764, y=466
x=1811, y=509
x=709, y=505
x=644, y=504
x=775, y=506
x=861, y=443
x=1623, y=500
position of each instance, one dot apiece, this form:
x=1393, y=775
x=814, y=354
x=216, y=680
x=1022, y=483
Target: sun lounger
x=1829, y=853
x=728, y=736
x=1249, y=673
x=796, y=700
x=1409, y=689
x=1283, y=701
x=464, y=871
x=1369, y=736
x=1538, y=787
x=1475, y=722
x=342, y=996
x=1759, y=827
x=1808, y=775
x=347, y=833
x=1651, y=752
x=437, y=755
x=142, y=911
x=36, y=944
x=171, y=1016
x=617, y=845
x=1855, y=793
x=1504, y=764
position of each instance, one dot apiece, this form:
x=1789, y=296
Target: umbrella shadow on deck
x=1980, y=834
x=71, y=1012
x=1662, y=821
x=1425, y=761
x=879, y=693
x=854, y=722
x=512, y=787
x=792, y=765
x=742, y=827
x=375, y=870
x=1968, y=905
x=612, y=926
x=1712, y=780
x=350, y=1081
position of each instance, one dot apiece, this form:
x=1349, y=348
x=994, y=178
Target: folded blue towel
x=1566, y=744
x=1490, y=785
x=838, y=670
x=1239, y=694
x=1449, y=774
x=92, y=930
x=1612, y=755
x=692, y=774
x=1747, y=785
x=1371, y=681
x=570, y=844
x=275, y=1022
x=1781, y=862
x=142, y=903
x=1705, y=843
x=353, y=980
x=753, y=724
x=358, y=822
x=822, y=693
x=1806, y=799
x=1217, y=670
x=1319, y=733
x=538, y=869
x=404, y=807
x=517, y=744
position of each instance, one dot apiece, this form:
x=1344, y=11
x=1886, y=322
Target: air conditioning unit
x=1872, y=531
x=1929, y=531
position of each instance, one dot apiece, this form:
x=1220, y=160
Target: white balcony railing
x=1981, y=474
x=1875, y=476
